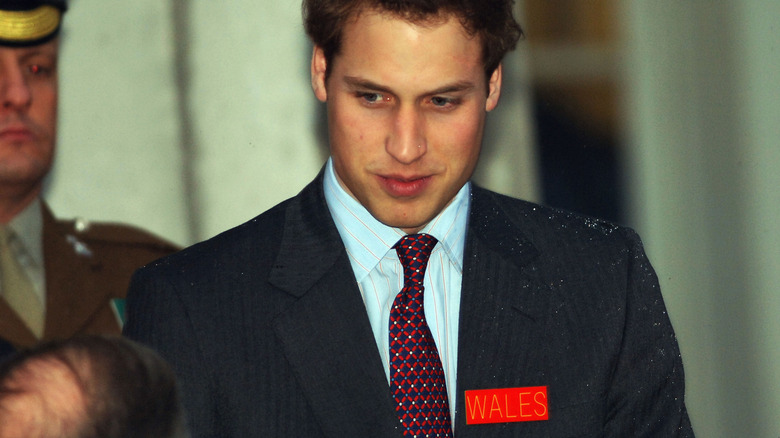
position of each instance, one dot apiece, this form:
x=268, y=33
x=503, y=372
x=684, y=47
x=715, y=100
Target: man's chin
x=408, y=224
x=22, y=174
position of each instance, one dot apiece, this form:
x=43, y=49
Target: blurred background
x=188, y=117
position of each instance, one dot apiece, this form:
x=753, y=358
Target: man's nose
x=14, y=88
x=407, y=141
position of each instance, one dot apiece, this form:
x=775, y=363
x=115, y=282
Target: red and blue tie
x=416, y=374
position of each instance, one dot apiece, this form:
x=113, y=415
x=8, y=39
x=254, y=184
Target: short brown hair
x=127, y=389
x=491, y=20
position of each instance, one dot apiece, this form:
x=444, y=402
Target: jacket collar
x=310, y=243
x=325, y=333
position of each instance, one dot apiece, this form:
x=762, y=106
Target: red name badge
x=506, y=405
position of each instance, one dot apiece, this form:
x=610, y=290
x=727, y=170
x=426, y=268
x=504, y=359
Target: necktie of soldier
x=17, y=288
x=416, y=373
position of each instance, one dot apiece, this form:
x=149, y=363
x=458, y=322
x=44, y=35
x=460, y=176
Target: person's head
x=491, y=21
x=89, y=387
x=29, y=50
x=407, y=85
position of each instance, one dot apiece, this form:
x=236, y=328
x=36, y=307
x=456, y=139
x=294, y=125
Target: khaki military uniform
x=88, y=268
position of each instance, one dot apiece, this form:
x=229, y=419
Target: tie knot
x=413, y=251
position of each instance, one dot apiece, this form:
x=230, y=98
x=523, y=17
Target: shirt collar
x=367, y=240
x=28, y=227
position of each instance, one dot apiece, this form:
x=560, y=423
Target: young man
x=57, y=278
x=392, y=297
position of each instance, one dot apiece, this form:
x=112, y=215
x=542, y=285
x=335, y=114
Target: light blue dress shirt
x=379, y=273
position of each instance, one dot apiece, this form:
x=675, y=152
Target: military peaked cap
x=30, y=22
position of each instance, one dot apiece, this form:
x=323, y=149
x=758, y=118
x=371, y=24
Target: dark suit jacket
x=85, y=269
x=266, y=329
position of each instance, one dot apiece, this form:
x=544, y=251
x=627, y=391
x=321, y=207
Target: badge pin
x=506, y=405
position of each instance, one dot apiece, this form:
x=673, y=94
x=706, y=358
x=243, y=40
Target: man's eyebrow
x=457, y=87
x=360, y=83
x=33, y=52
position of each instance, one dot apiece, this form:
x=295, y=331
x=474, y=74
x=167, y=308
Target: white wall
x=118, y=153
x=254, y=113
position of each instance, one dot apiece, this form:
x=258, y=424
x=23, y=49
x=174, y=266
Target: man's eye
x=442, y=101
x=371, y=97
x=37, y=69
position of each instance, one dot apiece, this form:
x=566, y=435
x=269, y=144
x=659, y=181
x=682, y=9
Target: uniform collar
x=28, y=227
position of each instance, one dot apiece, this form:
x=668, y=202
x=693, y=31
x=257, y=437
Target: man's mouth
x=402, y=187
x=16, y=133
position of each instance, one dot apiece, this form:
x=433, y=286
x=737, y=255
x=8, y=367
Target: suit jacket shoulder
x=88, y=268
x=116, y=235
x=542, y=226
x=570, y=303
x=249, y=246
x=116, y=249
x=266, y=329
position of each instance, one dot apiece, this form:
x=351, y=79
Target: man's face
x=28, y=117
x=406, y=110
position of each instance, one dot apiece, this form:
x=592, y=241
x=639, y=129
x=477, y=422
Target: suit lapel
x=13, y=328
x=326, y=334
x=72, y=295
x=501, y=307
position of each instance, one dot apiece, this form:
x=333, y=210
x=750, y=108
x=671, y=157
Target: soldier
x=59, y=278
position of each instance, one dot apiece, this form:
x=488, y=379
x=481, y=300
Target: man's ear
x=494, y=89
x=319, y=67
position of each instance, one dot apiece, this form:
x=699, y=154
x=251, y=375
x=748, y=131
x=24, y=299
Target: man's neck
x=13, y=203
